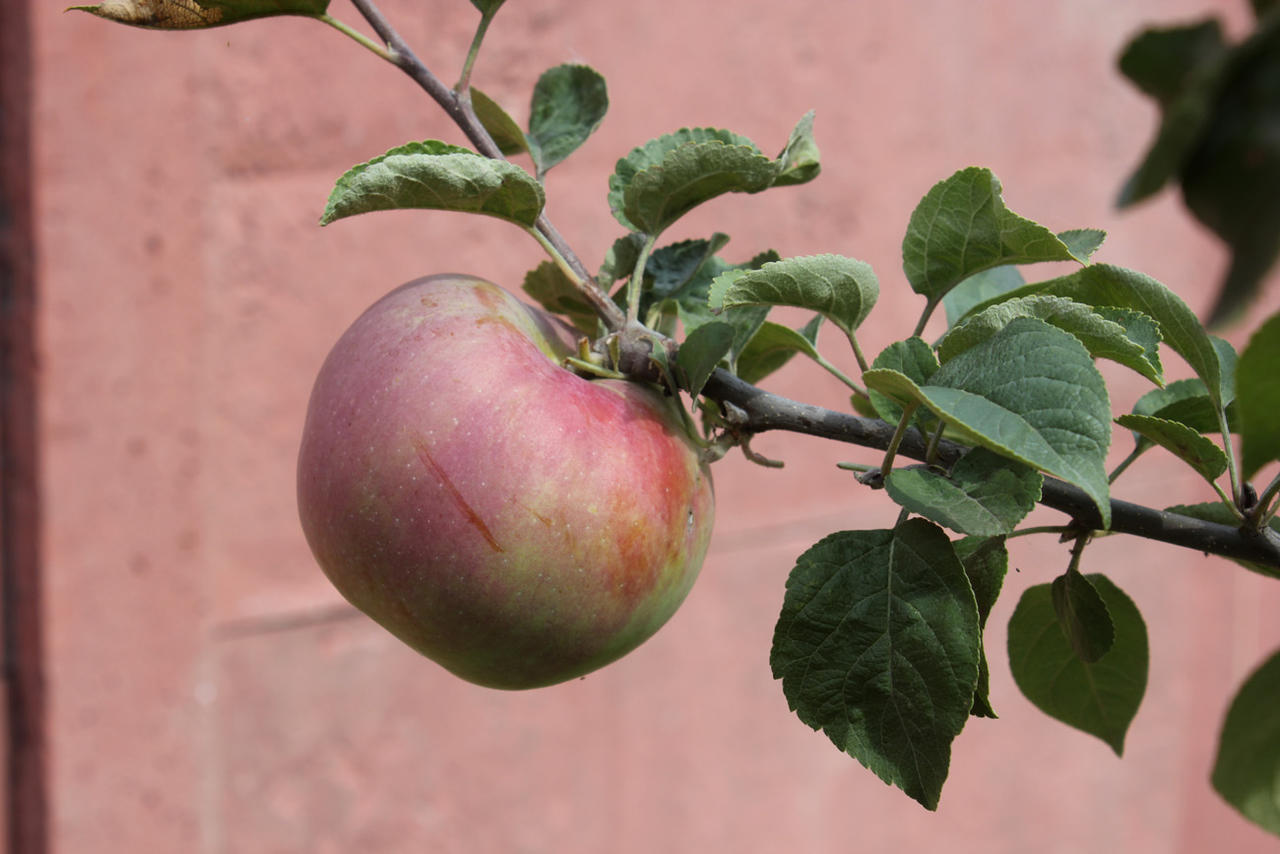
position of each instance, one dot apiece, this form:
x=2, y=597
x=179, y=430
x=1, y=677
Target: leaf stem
x=1039, y=529
x=857, y=350
x=464, y=80
x=931, y=452
x=891, y=452
x=460, y=111
x=1125, y=463
x=635, y=283
x=1265, y=510
x=929, y=305
x=359, y=37
x=839, y=374
x=1233, y=469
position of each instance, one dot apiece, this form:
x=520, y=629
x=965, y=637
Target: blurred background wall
x=207, y=690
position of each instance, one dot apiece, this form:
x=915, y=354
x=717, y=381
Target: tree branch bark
x=766, y=411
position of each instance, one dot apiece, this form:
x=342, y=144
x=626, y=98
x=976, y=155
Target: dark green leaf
x=198, y=14
x=1031, y=393
x=1246, y=771
x=620, y=260
x=843, y=289
x=773, y=345
x=1083, y=616
x=505, y=130
x=962, y=227
x=799, y=161
x=1180, y=67
x=702, y=351
x=569, y=102
x=986, y=561
x=985, y=495
x=1099, y=698
x=1258, y=378
x=878, y=645
x=436, y=175
x=1187, y=444
x=547, y=284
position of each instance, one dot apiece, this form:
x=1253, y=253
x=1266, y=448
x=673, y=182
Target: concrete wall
x=209, y=692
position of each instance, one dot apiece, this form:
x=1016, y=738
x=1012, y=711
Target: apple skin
x=512, y=521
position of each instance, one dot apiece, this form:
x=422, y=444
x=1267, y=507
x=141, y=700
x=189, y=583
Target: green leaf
x=1182, y=441
x=1102, y=285
x=799, y=162
x=702, y=351
x=878, y=645
x=773, y=345
x=1099, y=698
x=914, y=359
x=1031, y=393
x=487, y=7
x=843, y=289
x=962, y=227
x=1083, y=616
x=436, y=176
x=979, y=288
x=985, y=495
x=505, y=131
x=1187, y=402
x=569, y=102
x=1083, y=242
x=986, y=561
x=1102, y=337
x=620, y=260
x=1246, y=771
x=690, y=175
x=1258, y=380
x=553, y=290
x=1216, y=511
x=198, y=14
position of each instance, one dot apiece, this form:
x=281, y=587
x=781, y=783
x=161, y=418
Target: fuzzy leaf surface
x=843, y=289
x=914, y=359
x=962, y=227
x=437, y=176
x=800, y=161
x=1246, y=771
x=551, y=288
x=1031, y=393
x=1100, y=698
x=878, y=646
x=1103, y=338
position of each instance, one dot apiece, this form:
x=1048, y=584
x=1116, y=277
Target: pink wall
x=208, y=692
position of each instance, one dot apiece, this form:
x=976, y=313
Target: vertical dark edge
x=25, y=784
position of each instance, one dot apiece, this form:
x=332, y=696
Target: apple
x=512, y=521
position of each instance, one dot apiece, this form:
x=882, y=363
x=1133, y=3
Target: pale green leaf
x=554, y=291
x=437, y=176
x=843, y=289
x=799, y=162
x=773, y=345
x=914, y=359
x=979, y=288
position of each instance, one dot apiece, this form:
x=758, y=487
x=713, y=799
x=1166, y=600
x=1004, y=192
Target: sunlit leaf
x=198, y=14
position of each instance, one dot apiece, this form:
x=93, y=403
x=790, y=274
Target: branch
x=767, y=411
x=459, y=110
